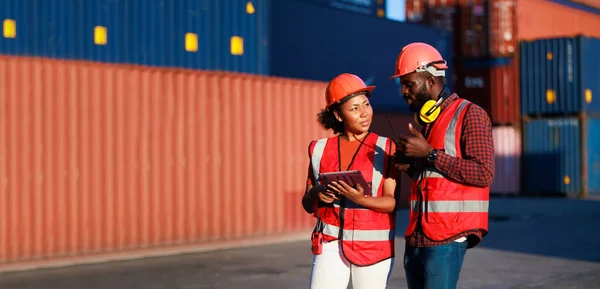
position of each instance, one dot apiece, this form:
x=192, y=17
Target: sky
x=395, y=10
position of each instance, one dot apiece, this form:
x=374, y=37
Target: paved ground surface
x=533, y=243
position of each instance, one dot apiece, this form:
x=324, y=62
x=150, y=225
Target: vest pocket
x=443, y=206
x=366, y=235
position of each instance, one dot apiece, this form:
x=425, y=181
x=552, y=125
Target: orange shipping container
x=545, y=19
x=99, y=158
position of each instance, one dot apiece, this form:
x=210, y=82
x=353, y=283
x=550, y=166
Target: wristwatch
x=432, y=156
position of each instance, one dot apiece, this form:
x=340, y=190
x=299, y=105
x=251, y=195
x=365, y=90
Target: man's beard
x=420, y=99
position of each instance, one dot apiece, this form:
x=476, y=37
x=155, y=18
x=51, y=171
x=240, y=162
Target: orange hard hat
x=345, y=85
x=418, y=57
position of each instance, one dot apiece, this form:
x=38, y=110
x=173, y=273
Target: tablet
x=349, y=177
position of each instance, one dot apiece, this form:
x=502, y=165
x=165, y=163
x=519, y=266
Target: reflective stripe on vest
x=452, y=206
x=359, y=235
x=450, y=140
x=316, y=159
x=378, y=163
x=449, y=144
x=376, y=180
x=444, y=206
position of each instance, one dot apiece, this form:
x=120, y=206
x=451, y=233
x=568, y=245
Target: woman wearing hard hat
x=354, y=235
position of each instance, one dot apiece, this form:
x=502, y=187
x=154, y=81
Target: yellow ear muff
x=425, y=115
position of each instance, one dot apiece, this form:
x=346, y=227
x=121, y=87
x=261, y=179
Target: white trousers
x=331, y=270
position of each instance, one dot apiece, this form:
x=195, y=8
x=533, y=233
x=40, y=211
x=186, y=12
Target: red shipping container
x=545, y=19
x=488, y=28
x=437, y=13
x=415, y=11
x=441, y=14
x=99, y=159
x=493, y=87
x=507, y=144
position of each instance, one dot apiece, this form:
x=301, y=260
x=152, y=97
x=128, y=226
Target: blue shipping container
x=145, y=42
x=62, y=28
x=577, y=5
x=592, y=155
x=53, y=29
x=14, y=39
x=226, y=35
x=331, y=42
x=560, y=76
x=552, y=156
x=554, y=152
x=100, y=14
x=375, y=8
x=189, y=19
x=245, y=21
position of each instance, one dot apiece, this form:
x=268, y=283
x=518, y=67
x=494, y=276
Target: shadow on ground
x=554, y=227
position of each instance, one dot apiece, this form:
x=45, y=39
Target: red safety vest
x=446, y=207
x=367, y=236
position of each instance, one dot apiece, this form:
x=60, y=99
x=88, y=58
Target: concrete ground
x=533, y=243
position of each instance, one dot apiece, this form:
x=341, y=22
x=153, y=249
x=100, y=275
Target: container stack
x=333, y=41
x=561, y=116
x=227, y=35
x=140, y=105
x=487, y=71
x=557, y=79
x=486, y=63
x=126, y=125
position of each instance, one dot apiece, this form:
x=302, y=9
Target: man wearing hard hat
x=451, y=163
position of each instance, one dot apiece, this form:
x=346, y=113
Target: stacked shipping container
x=115, y=157
x=481, y=28
x=486, y=67
x=557, y=158
x=488, y=28
x=487, y=61
x=214, y=35
x=103, y=158
x=373, y=8
x=333, y=41
x=559, y=77
x=562, y=156
x=547, y=19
